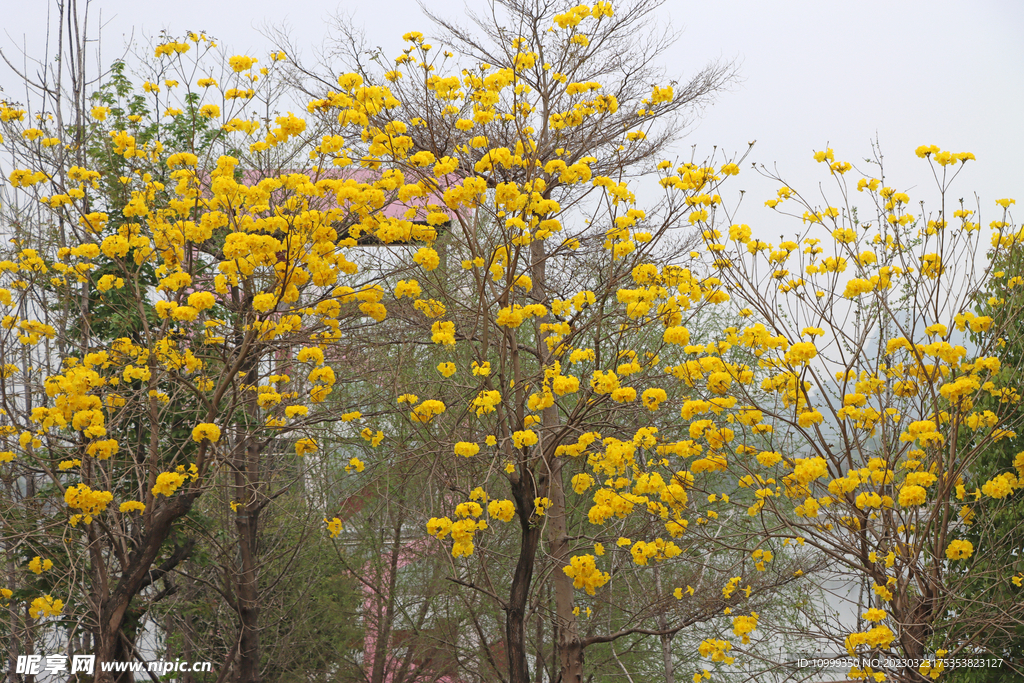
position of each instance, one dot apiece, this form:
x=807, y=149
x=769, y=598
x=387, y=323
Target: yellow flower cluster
x=658, y=550
x=959, y=550
x=304, y=446
x=878, y=638
x=443, y=332
x=1000, y=486
x=466, y=449
x=524, y=438
x=462, y=530
x=743, y=626
x=583, y=571
x=38, y=565
x=167, y=483
x=427, y=411
x=503, y=510
x=45, y=606
x=910, y=496
x=486, y=402
x=90, y=502
x=333, y=526
x=716, y=650
x=207, y=431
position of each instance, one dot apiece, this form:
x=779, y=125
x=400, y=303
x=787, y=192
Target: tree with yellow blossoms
x=887, y=381
x=175, y=297
x=556, y=312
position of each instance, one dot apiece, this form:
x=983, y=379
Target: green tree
x=997, y=527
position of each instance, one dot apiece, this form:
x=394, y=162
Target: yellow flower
x=524, y=438
x=466, y=449
x=604, y=383
x=565, y=384
x=408, y=288
x=826, y=155
x=90, y=502
x=874, y=615
x=167, y=483
x=998, y=487
x=715, y=649
x=427, y=258
x=581, y=482
x=959, y=550
x=810, y=417
x=624, y=395
x=800, y=353
x=856, y=287
x=264, y=302
x=443, y=332
x=912, y=495
x=205, y=430
x=39, y=565
x=45, y=606
x=582, y=569
x=241, y=63
x=427, y=410
x=304, y=446
x=311, y=354
x=333, y=526
x=653, y=397
x=469, y=509
x=743, y=625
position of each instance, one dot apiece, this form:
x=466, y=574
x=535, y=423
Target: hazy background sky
x=813, y=74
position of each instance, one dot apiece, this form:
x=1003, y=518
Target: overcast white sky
x=814, y=73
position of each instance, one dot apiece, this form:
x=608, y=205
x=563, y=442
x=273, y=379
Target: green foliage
x=998, y=528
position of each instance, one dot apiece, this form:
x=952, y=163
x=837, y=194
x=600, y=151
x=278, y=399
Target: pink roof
x=365, y=176
x=389, y=206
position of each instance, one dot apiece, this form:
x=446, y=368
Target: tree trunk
x=570, y=648
x=519, y=593
x=567, y=643
x=915, y=614
x=666, y=638
x=247, y=589
x=248, y=494
x=112, y=649
x=386, y=621
x=113, y=611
